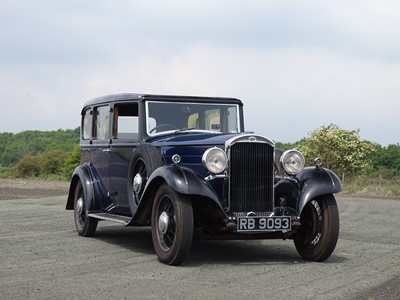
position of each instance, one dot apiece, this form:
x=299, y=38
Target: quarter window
x=87, y=124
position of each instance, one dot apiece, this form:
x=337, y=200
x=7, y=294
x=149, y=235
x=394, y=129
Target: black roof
x=143, y=97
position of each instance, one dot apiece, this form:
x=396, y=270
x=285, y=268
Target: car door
x=100, y=148
x=125, y=137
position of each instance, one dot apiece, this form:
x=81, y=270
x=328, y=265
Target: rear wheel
x=319, y=231
x=171, y=225
x=86, y=226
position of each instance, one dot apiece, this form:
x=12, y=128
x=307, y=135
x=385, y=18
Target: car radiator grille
x=251, y=171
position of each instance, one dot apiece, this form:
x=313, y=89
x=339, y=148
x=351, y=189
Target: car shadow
x=131, y=238
x=248, y=252
x=204, y=252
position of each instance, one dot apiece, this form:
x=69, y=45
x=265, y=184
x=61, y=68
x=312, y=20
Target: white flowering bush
x=342, y=151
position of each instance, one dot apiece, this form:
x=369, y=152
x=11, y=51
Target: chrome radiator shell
x=250, y=175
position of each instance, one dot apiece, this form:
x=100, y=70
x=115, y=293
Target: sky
x=296, y=64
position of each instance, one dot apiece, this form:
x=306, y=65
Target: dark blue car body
x=144, y=162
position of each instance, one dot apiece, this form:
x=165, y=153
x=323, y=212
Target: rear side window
x=102, y=122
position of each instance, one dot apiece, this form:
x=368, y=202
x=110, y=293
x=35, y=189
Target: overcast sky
x=297, y=65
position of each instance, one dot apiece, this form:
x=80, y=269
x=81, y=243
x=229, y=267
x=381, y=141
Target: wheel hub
x=79, y=206
x=163, y=222
x=137, y=183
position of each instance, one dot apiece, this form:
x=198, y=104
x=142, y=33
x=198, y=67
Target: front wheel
x=171, y=225
x=319, y=231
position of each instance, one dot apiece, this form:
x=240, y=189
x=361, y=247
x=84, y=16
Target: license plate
x=263, y=223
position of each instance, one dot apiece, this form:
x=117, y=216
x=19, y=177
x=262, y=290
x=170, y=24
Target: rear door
x=100, y=148
x=125, y=137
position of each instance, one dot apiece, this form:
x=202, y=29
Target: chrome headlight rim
x=292, y=161
x=215, y=160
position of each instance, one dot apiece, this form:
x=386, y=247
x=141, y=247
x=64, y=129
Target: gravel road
x=42, y=257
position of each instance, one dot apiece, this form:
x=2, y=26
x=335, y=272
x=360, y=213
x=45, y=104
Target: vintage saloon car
x=186, y=167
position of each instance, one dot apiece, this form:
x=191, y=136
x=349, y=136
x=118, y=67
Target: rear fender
x=91, y=185
x=316, y=182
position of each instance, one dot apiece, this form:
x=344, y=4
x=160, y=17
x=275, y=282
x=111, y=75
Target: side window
x=102, y=123
x=126, y=121
x=87, y=124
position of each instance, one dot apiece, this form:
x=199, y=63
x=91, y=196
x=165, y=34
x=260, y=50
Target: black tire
x=171, y=225
x=145, y=160
x=86, y=226
x=319, y=229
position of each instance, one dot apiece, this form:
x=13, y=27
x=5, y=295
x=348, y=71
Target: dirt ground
x=31, y=189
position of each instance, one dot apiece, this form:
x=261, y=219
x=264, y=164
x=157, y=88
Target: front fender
x=316, y=182
x=182, y=180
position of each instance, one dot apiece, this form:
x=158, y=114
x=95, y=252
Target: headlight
x=214, y=159
x=292, y=161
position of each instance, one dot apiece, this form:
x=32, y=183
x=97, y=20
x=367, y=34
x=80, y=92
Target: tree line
x=55, y=154
x=44, y=154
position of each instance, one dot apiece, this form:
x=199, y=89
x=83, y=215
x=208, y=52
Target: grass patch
x=372, y=187
x=6, y=172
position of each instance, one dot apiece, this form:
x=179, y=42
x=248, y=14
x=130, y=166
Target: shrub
x=341, y=150
x=51, y=162
x=27, y=166
x=40, y=165
x=72, y=160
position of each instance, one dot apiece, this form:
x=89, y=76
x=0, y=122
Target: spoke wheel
x=319, y=231
x=86, y=226
x=171, y=225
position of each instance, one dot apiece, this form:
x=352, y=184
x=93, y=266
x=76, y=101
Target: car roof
x=173, y=98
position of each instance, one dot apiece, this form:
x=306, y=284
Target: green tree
x=385, y=161
x=388, y=157
x=342, y=151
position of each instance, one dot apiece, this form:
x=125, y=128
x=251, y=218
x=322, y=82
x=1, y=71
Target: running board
x=111, y=217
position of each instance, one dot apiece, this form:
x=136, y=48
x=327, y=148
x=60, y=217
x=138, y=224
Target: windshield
x=167, y=116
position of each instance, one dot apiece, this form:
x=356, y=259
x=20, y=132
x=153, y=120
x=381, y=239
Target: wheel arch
x=82, y=173
x=316, y=182
x=151, y=158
